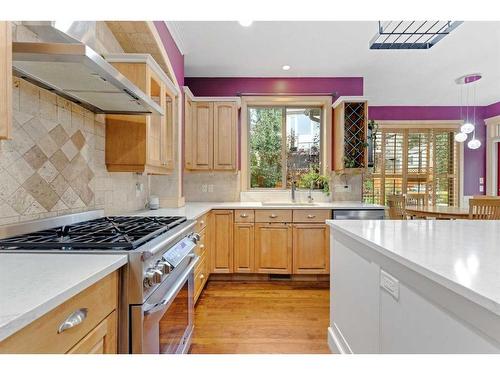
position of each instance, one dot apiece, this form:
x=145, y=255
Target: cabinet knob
x=202, y=222
x=243, y=215
x=202, y=246
x=273, y=216
x=202, y=276
x=311, y=216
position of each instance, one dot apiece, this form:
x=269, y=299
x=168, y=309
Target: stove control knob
x=152, y=277
x=164, y=267
x=195, y=237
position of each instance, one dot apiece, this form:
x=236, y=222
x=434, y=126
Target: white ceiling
x=340, y=49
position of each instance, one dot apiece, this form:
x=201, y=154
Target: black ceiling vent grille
x=411, y=34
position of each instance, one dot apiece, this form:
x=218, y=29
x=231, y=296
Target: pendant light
x=467, y=82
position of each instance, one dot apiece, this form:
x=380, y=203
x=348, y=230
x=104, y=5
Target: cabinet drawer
x=311, y=216
x=244, y=216
x=42, y=335
x=201, y=223
x=200, y=277
x=201, y=246
x=273, y=216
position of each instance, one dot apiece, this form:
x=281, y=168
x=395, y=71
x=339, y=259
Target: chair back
x=484, y=208
x=415, y=199
x=397, y=204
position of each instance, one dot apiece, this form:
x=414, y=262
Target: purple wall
x=175, y=56
x=207, y=86
x=474, y=160
x=492, y=110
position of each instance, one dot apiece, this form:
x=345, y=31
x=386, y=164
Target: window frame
x=278, y=101
x=405, y=127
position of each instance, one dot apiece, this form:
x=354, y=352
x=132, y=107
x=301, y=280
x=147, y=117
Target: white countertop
x=33, y=284
x=461, y=255
x=192, y=210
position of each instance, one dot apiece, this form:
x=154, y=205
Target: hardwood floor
x=262, y=317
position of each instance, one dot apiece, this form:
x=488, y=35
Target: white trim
x=342, y=99
x=176, y=34
x=461, y=200
x=144, y=58
x=492, y=120
x=492, y=138
x=193, y=98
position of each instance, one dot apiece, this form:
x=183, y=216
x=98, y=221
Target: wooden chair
x=397, y=204
x=484, y=208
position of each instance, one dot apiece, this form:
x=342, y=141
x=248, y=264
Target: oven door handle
x=175, y=288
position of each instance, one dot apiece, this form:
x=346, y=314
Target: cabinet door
x=156, y=123
x=273, y=248
x=202, y=137
x=188, y=132
x=167, y=149
x=222, y=251
x=225, y=137
x=5, y=79
x=244, y=248
x=311, y=248
x=101, y=340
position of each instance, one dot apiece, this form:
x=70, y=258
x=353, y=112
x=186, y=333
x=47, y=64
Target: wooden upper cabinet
x=273, y=248
x=202, y=135
x=211, y=134
x=5, y=79
x=350, y=135
x=143, y=143
x=225, y=137
x=311, y=249
x=222, y=249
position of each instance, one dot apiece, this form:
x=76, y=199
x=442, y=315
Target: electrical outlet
x=342, y=188
x=204, y=188
x=139, y=188
x=481, y=188
x=210, y=188
x=481, y=180
x=390, y=284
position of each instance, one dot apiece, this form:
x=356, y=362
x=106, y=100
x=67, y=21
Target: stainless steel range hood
x=76, y=72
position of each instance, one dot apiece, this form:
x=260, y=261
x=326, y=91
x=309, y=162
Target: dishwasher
x=358, y=214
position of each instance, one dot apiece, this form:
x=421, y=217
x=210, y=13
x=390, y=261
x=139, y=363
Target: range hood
x=74, y=71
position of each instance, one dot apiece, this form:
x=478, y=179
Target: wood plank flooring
x=288, y=317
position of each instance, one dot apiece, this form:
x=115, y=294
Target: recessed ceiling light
x=245, y=23
x=285, y=67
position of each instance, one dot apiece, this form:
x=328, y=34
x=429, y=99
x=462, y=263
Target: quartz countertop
x=33, y=284
x=461, y=255
x=193, y=210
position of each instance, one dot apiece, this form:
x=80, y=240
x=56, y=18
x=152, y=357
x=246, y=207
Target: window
x=421, y=163
x=284, y=144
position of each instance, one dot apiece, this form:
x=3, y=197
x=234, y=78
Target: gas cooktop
x=106, y=233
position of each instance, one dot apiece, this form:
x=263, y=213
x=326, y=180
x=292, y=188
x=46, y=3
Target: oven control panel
x=171, y=259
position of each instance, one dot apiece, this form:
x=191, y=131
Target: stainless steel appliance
x=157, y=285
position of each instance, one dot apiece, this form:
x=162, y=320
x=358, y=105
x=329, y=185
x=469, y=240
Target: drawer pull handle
x=311, y=216
x=243, y=215
x=273, y=216
x=73, y=320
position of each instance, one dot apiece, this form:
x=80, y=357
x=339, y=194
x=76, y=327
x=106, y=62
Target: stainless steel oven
x=164, y=322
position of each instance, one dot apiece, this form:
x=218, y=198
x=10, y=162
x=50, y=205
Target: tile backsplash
x=54, y=162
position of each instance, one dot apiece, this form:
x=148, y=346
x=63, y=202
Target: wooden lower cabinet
x=97, y=332
x=101, y=340
x=273, y=248
x=311, y=249
x=244, y=250
x=222, y=239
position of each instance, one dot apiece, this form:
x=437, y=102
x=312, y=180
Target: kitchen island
x=415, y=286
